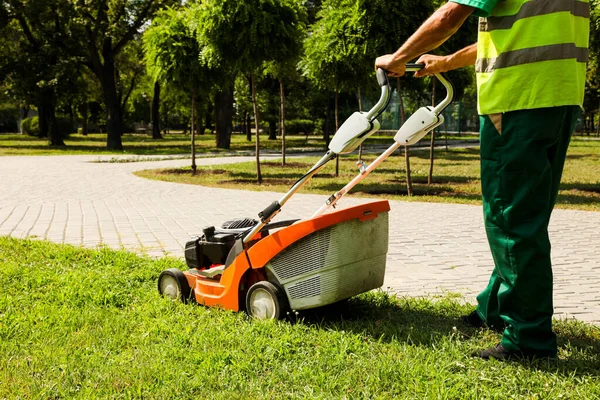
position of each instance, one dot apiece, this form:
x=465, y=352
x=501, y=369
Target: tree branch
x=134, y=27
x=27, y=31
x=129, y=91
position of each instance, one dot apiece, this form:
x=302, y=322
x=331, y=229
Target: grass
x=172, y=144
x=78, y=323
x=139, y=144
x=456, y=176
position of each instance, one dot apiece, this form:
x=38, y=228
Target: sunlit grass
x=85, y=324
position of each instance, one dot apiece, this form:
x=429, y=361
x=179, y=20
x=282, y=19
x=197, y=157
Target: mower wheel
x=173, y=284
x=266, y=300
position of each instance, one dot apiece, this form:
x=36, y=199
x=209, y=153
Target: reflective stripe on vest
x=532, y=54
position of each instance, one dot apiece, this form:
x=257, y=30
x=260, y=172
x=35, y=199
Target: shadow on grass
x=387, y=318
x=585, y=187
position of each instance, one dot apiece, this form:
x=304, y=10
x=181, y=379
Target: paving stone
x=433, y=248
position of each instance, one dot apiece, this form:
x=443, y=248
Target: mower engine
x=214, y=245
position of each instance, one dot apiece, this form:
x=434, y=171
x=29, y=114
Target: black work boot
x=500, y=353
x=475, y=321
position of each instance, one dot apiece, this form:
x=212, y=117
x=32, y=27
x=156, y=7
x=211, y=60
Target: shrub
x=298, y=126
x=26, y=126
x=34, y=127
x=31, y=126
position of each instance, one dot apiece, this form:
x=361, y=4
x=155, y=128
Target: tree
x=104, y=28
x=172, y=55
x=241, y=35
x=35, y=60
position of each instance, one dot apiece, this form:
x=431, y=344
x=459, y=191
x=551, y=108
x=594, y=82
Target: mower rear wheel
x=266, y=300
x=173, y=284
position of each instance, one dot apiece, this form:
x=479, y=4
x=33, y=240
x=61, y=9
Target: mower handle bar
x=386, y=90
x=386, y=93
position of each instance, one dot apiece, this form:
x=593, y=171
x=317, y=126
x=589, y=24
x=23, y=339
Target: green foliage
x=350, y=34
x=241, y=35
x=26, y=126
x=9, y=117
x=31, y=126
x=171, y=50
x=297, y=126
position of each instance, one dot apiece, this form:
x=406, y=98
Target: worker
x=530, y=60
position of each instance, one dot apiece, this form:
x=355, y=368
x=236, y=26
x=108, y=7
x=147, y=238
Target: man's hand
x=394, y=67
x=433, y=65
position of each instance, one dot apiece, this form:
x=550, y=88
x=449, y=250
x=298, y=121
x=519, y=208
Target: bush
x=298, y=126
x=31, y=126
x=34, y=127
x=26, y=126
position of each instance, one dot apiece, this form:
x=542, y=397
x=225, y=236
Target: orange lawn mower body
x=269, y=268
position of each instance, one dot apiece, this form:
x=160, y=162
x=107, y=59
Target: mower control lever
x=268, y=213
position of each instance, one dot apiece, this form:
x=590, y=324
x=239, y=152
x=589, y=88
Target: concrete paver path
x=434, y=248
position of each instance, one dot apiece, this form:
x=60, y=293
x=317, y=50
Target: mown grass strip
x=78, y=323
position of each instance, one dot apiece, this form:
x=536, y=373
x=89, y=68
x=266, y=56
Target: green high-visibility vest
x=532, y=54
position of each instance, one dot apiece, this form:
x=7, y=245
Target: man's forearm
x=463, y=58
x=435, y=31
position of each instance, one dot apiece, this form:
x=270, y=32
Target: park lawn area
x=78, y=323
x=456, y=176
x=140, y=144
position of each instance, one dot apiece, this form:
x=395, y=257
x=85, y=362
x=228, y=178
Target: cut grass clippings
x=78, y=323
x=455, y=177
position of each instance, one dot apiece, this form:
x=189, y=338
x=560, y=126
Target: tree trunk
x=282, y=123
x=156, y=112
x=199, y=125
x=114, y=119
x=54, y=135
x=432, y=146
x=337, y=127
x=42, y=116
x=272, y=129
x=224, y=114
x=326, y=135
x=360, y=108
x=256, y=123
x=165, y=124
x=85, y=115
x=248, y=127
x=409, y=188
x=193, y=132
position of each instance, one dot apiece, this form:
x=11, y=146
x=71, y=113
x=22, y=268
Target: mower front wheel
x=266, y=300
x=173, y=284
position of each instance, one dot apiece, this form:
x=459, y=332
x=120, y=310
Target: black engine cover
x=202, y=252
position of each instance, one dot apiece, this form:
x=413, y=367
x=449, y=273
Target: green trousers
x=522, y=159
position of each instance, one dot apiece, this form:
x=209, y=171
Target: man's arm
x=435, y=31
x=438, y=64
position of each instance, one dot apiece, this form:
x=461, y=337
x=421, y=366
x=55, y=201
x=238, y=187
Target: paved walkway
x=434, y=248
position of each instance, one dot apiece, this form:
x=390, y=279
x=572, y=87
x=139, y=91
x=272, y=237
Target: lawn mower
x=270, y=268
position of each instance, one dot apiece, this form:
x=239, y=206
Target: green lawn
x=456, y=176
x=86, y=324
x=172, y=144
x=140, y=144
